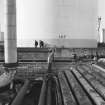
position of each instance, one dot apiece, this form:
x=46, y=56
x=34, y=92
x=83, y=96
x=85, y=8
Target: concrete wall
x=33, y=54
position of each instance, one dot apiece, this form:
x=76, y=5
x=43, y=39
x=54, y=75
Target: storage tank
x=51, y=19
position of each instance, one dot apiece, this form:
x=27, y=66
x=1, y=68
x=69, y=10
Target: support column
x=0, y=34
x=10, y=42
x=43, y=93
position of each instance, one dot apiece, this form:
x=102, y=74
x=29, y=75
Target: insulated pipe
x=10, y=32
x=42, y=98
x=49, y=95
x=20, y=95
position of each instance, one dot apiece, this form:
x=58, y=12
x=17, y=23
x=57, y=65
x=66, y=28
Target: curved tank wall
x=36, y=18
x=77, y=18
x=48, y=19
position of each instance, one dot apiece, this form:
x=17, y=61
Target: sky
x=32, y=16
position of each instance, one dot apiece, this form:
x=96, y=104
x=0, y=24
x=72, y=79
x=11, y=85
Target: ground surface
x=77, y=83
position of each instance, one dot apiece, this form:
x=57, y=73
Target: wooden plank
x=68, y=98
x=81, y=96
x=92, y=93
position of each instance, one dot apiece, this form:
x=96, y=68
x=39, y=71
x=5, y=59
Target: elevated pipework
x=10, y=32
x=18, y=99
x=50, y=59
x=43, y=93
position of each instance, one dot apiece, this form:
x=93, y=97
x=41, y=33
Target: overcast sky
x=30, y=19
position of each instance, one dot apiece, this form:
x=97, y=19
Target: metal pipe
x=49, y=96
x=50, y=59
x=20, y=95
x=42, y=97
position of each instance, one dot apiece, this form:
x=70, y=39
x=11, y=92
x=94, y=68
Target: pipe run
x=43, y=93
x=10, y=43
x=47, y=95
x=18, y=99
x=50, y=59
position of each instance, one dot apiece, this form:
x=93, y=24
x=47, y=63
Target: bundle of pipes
x=18, y=99
x=46, y=91
x=47, y=95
